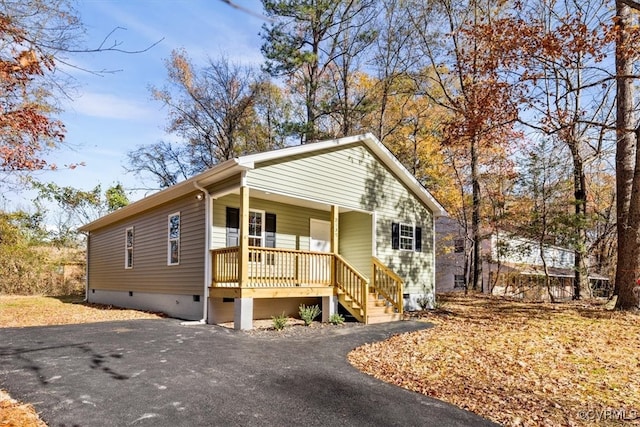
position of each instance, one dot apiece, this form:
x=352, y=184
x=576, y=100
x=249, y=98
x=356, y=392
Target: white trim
x=169, y=239
x=213, y=175
x=244, y=163
x=383, y=153
x=262, y=232
x=126, y=247
x=208, y=223
x=413, y=237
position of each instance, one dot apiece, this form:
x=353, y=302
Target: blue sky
x=112, y=113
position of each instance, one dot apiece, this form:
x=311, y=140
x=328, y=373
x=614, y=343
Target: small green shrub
x=336, y=319
x=308, y=313
x=279, y=322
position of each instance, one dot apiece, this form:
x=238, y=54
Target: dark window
x=173, y=246
x=233, y=227
x=128, y=248
x=458, y=280
x=458, y=245
x=262, y=228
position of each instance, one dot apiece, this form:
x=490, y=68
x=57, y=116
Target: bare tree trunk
x=547, y=279
x=628, y=263
x=580, y=194
x=476, y=275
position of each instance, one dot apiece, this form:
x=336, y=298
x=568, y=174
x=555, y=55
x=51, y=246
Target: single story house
x=333, y=222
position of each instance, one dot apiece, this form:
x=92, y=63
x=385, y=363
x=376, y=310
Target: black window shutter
x=270, y=230
x=395, y=235
x=418, y=244
x=233, y=227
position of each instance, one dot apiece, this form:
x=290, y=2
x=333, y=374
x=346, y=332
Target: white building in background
x=511, y=265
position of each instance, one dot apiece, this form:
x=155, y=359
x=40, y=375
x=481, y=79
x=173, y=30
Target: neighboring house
x=451, y=248
x=511, y=265
x=338, y=221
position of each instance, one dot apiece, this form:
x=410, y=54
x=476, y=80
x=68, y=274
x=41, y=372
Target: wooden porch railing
x=388, y=284
x=270, y=267
x=352, y=283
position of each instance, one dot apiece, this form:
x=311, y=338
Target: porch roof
x=243, y=163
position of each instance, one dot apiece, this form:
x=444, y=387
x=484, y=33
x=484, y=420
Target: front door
x=320, y=235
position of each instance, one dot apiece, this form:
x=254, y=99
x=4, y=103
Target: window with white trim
x=128, y=248
x=173, y=239
x=256, y=228
x=406, y=237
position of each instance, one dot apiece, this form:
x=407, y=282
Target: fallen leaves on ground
x=23, y=311
x=519, y=364
x=16, y=414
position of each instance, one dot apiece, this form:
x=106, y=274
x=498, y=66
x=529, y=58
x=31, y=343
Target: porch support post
x=243, y=255
x=243, y=314
x=329, y=307
x=334, y=229
x=334, y=249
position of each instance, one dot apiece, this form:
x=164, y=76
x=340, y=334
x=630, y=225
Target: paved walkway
x=160, y=373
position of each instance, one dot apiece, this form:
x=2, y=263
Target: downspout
x=86, y=270
x=433, y=258
x=207, y=251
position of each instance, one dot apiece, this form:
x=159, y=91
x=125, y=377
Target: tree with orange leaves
x=35, y=37
x=481, y=109
x=555, y=56
x=27, y=129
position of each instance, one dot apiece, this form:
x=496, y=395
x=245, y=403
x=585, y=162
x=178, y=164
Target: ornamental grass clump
x=279, y=322
x=336, y=319
x=308, y=313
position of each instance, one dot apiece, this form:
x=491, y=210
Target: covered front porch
x=284, y=273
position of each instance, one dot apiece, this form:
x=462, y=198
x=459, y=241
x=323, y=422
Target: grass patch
x=519, y=363
x=23, y=311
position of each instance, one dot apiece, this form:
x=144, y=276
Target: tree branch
x=632, y=4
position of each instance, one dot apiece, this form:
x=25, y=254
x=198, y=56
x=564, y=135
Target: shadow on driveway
x=160, y=373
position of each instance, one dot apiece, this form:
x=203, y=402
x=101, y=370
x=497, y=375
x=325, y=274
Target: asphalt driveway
x=160, y=373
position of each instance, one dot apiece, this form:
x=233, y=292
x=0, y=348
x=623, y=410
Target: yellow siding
x=356, y=241
x=292, y=222
x=150, y=272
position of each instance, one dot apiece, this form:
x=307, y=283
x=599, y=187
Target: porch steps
x=351, y=306
x=379, y=310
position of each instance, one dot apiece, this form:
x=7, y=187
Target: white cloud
x=110, y=106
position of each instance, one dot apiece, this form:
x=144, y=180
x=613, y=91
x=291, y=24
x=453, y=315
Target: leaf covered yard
x=519, y=364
